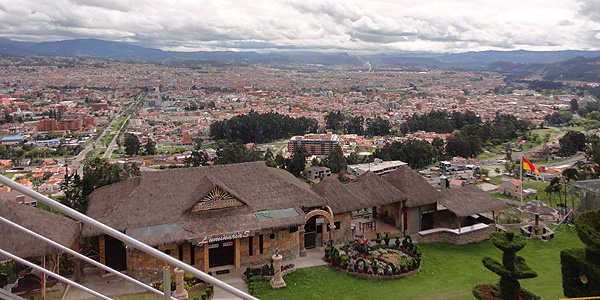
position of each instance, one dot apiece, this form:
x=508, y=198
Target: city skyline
x=322, y=26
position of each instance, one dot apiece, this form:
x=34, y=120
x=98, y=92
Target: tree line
x=339, y=122
x=261, y=128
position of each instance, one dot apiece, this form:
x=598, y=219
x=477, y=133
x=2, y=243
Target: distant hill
x=578, y=68
x=515, y=63
x=485, y=58
x=97, y=49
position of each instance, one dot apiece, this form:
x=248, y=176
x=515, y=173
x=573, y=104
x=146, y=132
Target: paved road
x=113, y=144
x=81, y=156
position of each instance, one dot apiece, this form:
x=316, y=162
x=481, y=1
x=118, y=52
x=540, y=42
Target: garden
x=446, y=272
x=357, y=257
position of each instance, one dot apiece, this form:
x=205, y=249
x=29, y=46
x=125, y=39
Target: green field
x=449, y=272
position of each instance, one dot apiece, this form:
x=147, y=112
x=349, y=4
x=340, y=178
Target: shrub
x=67, y=265
x=387, y=238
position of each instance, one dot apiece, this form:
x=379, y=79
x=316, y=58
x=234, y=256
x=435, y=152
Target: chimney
x=443, y=182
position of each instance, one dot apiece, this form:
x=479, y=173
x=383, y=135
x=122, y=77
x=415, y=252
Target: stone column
x=301, y=241
x=180, y=293
x=277, y=281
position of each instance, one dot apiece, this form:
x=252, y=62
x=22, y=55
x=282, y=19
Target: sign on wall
x=222, y=237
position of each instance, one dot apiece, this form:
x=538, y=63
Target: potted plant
x=387, y=238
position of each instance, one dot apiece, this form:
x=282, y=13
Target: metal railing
x=130, y=242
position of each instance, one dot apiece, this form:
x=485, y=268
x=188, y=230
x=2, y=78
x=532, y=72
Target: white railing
x=130, y=242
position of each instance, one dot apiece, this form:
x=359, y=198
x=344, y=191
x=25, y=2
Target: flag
x=529, y=166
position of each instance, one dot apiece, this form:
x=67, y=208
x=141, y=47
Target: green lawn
x=449, y=272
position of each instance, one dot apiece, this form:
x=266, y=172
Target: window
x=336, y=224
x=193, y=254
x=180, y=252
x=272, y=236
x=250, y=246
x=260, y=245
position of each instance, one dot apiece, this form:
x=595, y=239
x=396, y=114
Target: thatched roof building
x=181, y=204
x=413, y=185
x=469, y=200
x=368, y=190
x=60, y=229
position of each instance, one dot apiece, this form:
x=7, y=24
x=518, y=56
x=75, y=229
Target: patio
x=370, y=231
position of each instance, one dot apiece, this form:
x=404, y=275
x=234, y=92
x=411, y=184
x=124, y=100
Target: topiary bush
x=511, y=270
x=581, y=267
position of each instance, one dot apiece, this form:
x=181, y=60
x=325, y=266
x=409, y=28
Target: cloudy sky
x=353, y=26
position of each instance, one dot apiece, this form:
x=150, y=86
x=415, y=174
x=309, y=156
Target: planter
x=492, y=292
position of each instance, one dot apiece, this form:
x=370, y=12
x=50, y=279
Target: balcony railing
x=127, y=240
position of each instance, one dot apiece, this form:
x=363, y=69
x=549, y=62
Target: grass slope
x=449, y=272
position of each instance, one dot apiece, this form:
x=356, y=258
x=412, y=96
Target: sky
x=351, y=26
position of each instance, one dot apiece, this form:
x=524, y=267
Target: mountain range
x=519, y=62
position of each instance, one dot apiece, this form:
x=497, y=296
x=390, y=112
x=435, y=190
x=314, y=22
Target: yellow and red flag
x=529, y=166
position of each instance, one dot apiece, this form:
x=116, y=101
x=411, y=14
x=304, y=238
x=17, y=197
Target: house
x=511, y=187
x=417, y=212
x=368, y=192
x=378, y=167
x=209, y=217
x=315, y=172
x=460, y=219
x=456, y=183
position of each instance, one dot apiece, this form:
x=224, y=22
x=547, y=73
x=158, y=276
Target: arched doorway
x=316, y=227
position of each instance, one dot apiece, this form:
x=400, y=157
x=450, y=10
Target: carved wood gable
x=215, y=199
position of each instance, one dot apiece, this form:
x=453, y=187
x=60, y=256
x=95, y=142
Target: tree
x=335, y=121
x=150, y=147
x=378, y=126
x=198, y=143
x=280, y=161
x=574, y=106
x=354, y=159
x=356, y=125
x=132, y=144
x=336, y=160
x=197, y=158
x=554, y=188
x=233, y=153
x=571, y=142
x=97, y=173
x=298, y=163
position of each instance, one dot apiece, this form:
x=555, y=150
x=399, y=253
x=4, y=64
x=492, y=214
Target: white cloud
x=324, y=25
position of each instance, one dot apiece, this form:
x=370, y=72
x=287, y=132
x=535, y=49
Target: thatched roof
x=368, y=190
x=57, y=228
x=537, y=207
x=379, y=189
x=342, y=197
x=168, y=197
x=469, y=200
x=413, y=185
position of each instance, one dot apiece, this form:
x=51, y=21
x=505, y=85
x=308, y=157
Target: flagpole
x=522, y=157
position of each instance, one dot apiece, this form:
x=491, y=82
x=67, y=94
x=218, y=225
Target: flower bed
x=265, y=272
x=376, y=262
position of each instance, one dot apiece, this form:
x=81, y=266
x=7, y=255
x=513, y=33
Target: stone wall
x=458, y=239
x=343, y=233
x=286, y=241
x=147, y=268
